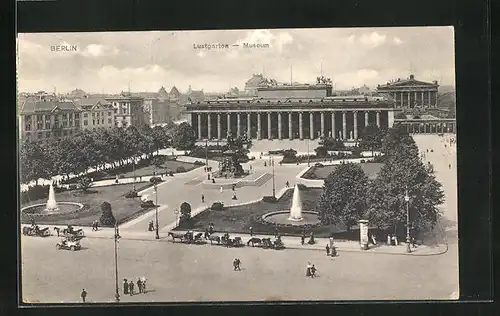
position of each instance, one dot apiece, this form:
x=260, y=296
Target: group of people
x=311, y=238
x=128, y=287
x=95, y=225
x=311, y=270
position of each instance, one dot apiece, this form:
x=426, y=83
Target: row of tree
x=349, y=196
x=97, y=148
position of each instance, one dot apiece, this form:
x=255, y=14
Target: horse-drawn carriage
x=227, y=241
x=69, y=232
x=277, y=244
x=70, y=243
x=34, y=230
x=188, y=237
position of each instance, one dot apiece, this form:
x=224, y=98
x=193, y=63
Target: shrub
x=180, y=169
x=34, y=193
x=217, y=206
x=198, y=163
x=321, y=151
x=121, y=176
x=107, y=218
x=131, y=194
x=362, y=161
x=269, y=199
x=147, y=204
x=171, y=174
x=318, y=165
x=185, y=212
x=85, y=183
x=155, y=180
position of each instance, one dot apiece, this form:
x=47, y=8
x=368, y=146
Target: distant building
x=174, y=94
x=253, y=83
x=409, y=93
x=77, y=93
x=47, y=117
x=96, y=113
x=128, y=110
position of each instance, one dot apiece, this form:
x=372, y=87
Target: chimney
x=412, y=77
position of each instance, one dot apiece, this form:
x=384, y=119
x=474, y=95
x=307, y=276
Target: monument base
x=364, y=247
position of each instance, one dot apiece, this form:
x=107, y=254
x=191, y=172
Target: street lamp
x=206, y=154
x=117, y=291
x=176, y=212
x=308, y=159
x=157, y=236
x=407, y=199
x=133, y=166
x=274, y=187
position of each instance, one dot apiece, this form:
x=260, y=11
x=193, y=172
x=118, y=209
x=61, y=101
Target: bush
x=270, y=199
x=321, y=151
x=34, y=193
x=107, y=218
x=318, y=165
x=121, y=176
x=155, y=180
x=198, y=163
x=362, y=161
x=147, y=204
x=85, y=183
x=180, y=169
x=185, y=212
x=217, y=206
x=131, y=194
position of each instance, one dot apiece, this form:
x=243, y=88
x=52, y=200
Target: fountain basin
x=62, y=208
x=283, y=218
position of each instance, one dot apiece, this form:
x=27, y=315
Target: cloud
x=97, y=50
x=396, y=40
x=372, y=40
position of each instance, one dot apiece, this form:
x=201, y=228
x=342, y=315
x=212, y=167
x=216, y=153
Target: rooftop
x=33, y=106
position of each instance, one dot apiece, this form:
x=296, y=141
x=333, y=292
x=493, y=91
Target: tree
x=344, y=196
x=33, y=161
x=289, y=156
x=392, y=139
x=371, y=138
x=331, y=143
x=400, y=116
x=107, y=218
x=158, y=161
x=184, y=137
x=85, y=183
x=321, y=151
x=185, y=212
x=404, y=171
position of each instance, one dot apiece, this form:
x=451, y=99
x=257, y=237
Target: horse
x=253, y=241
x=198, y=236
x=180, y=236
x=60, y=231
x=213, y=238
x=267, y=243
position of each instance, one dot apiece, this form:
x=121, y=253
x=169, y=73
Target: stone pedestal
x=363, y=234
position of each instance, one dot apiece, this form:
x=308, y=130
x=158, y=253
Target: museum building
x=290, y=112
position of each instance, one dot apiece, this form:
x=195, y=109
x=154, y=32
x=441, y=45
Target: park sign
x=363, y=234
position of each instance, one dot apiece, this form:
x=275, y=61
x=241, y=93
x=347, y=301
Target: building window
x=93, y=114
x=47, y=134
x=47, y=124
x=85, y=115
x=98, y=114
x=109, y=120
x=109, y=113
x=93, y=122
x=40, y=135
x=65, y=133
x=102, y=121
x=77, y=123
x=39, y=125
x=115, y=110
x=39, y=118
x=27, y=125
x=77, y=116
x=85, y=122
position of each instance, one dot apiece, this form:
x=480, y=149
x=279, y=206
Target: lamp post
x=308, y=158
x=206, y=154
x=176, y=212
x=117, y=291
x=157, y=235
x=133, y=166
x=274, y=187
x=407, y=199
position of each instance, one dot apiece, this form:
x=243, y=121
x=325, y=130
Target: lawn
x=123, y=208
x=239, y=219
x=170, y=165
x=370, y=169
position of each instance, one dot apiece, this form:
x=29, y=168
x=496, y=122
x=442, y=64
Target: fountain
x=51, y=202
x=296, y=210
x=295, y=216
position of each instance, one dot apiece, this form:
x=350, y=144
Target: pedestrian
x=250, y=167
x=313, y=271
x=251, y=231
x=221, y=189
x=140, y=177
x=327, y=250
x=265, y=164
x=151, y=226
x=143, y=281
x=202, y=198
x=139, y=285
x=125, y=286
x=302, y=238
x=209, y=176
x=287, y=184
x=449, y=166
x=308, y=268
x=276, y=232
x=234, y=196
x=234, y=187
x=83, y=295
x=389, y=239
x=131, y=287
x=96, y=225
x=374, y=240
x=213, y=180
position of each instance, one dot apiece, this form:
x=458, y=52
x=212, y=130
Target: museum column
x=301, y=130
x=249, y=126
x=333, y=125
x=259, y=133
x=366, y=118
x=355, y=117
x=344, y=125
x=390, y=119
x=290, y=134
x=209, y=127
x=218, y=126
x=279, y=125
x=238, y=127
x=269, y=136
x=311, y=125
x=409, y=105
x=228, y=123
x=322, y=124
x=199, y=126
x=378, y=119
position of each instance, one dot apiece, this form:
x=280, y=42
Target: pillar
x=290, y=134
x=344, y=125
x=219, y=131
x=355, y=115
x=333, y=125
x=238, y=127
x=390, y=119
x=366, y=118
x=279, y=125
x=409, y=105
x=249, y=126
x=228, y=123
x=378, y=119
x=301, y=130
x=423, y=104
x=311, y=125
x=199, y=126
x=209, y=126
x=269, y=126
x=429, y=94
x=259, y=134
x=322, y=124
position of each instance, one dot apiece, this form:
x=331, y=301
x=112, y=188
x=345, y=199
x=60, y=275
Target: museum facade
x=290, y=112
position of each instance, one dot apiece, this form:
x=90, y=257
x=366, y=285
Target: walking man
x=139, y=285
x=313, y=271
x=202, y=198
x=302, y=238
x=84, y=295
x=131, y=287
x=221, y=189
x=125, y=286
x=327, y=250
x=251, y=231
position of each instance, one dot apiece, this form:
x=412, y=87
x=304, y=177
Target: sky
x=108, y=62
